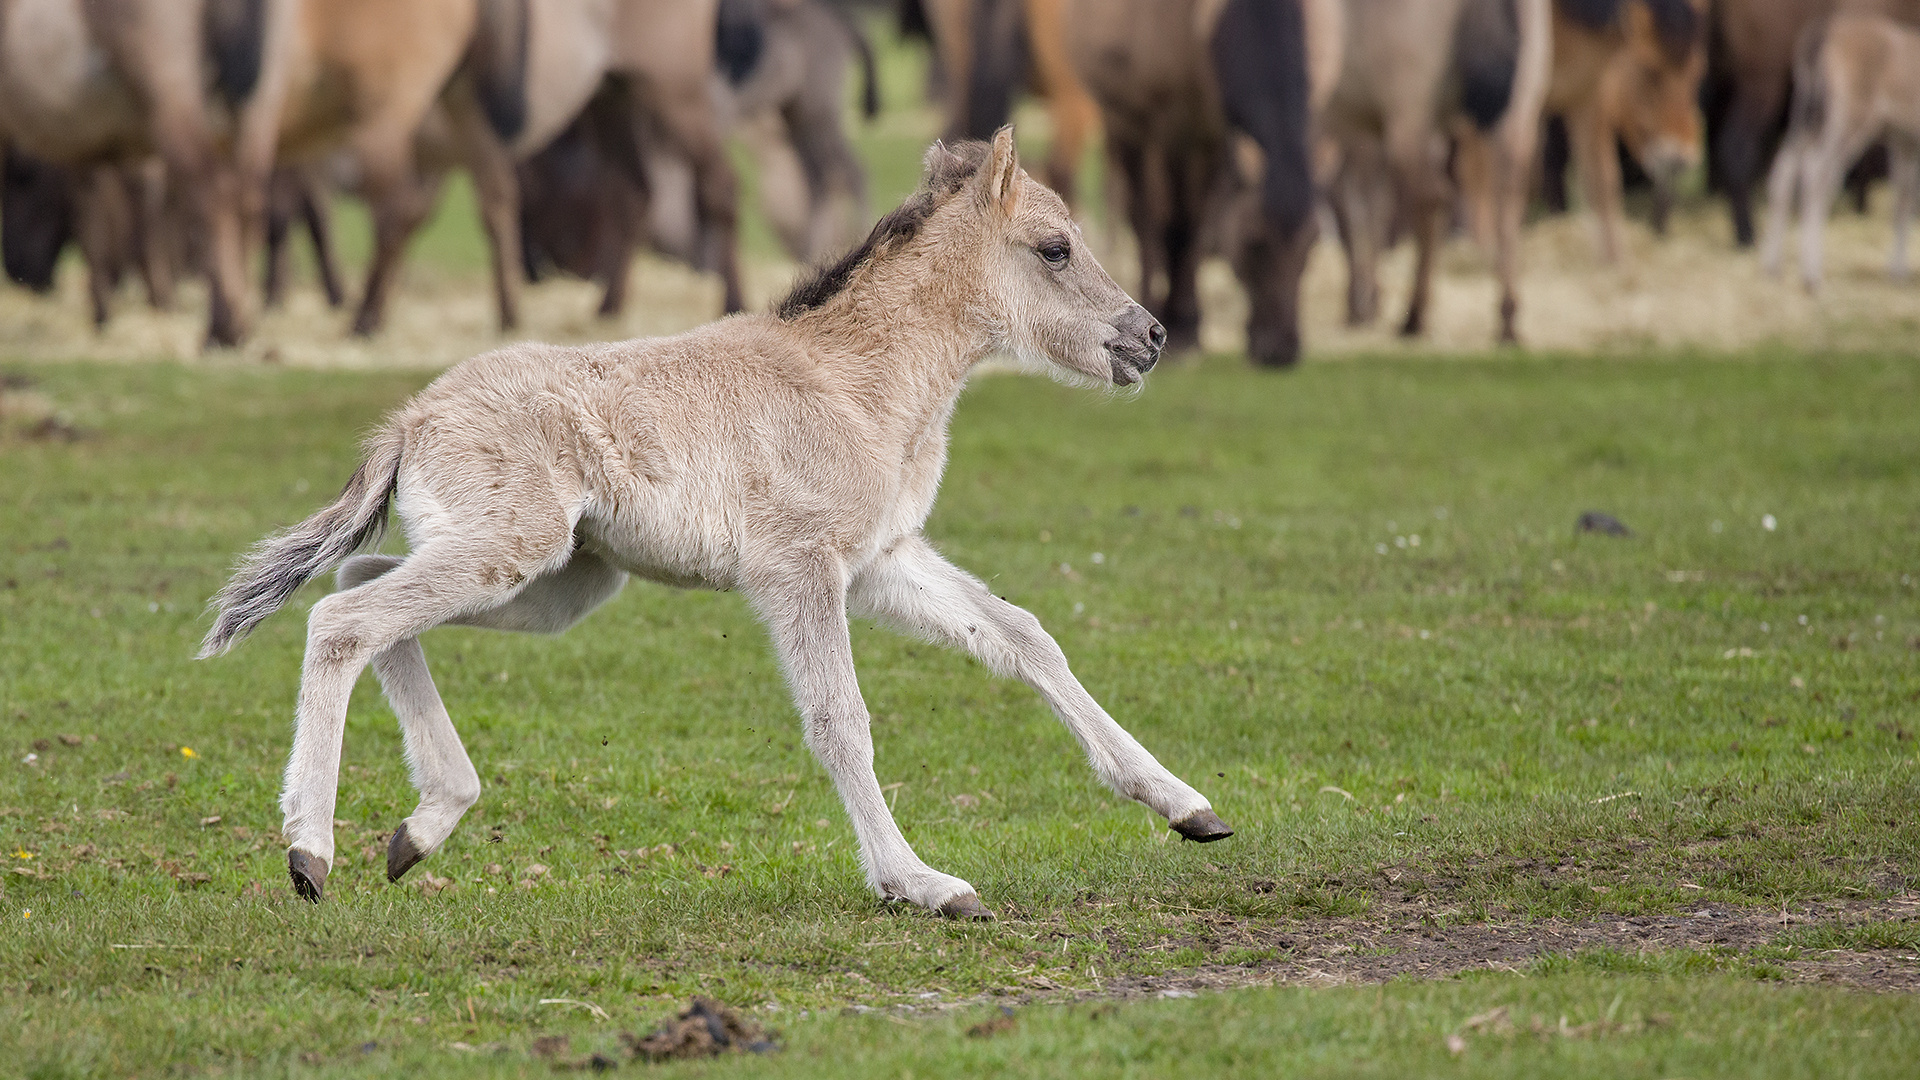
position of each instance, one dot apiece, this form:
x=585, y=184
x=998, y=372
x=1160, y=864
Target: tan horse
x=793, y=456
x=1856, y=81
x=1416, y=76
x=360, y=75
x=98, y=84
x=1628, y=70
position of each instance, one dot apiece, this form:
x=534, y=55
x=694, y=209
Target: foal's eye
x=1055, y=252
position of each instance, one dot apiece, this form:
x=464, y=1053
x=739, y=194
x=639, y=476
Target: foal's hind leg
x=348, y=629
x=915, y=589
x=441, y=770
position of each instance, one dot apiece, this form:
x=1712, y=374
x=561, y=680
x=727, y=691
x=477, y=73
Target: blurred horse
x=121, y=217
x=987, y=50
x=1856, y=80
x=1180, y=86
x=98, y=84
x=605, y=185
x=789, y=110
x=1415, y=75
x=360, y=76
x=1628, y=70
x=1749, y=79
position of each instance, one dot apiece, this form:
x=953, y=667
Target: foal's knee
x=334, y=636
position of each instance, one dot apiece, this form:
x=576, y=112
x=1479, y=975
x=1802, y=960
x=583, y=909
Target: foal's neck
x=907, y=331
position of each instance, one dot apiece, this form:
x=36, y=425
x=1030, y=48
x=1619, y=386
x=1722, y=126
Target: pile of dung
x=706, y=1029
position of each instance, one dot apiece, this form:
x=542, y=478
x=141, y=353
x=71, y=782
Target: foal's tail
x=280, y=564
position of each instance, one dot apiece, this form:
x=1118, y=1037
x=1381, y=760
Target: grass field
x=1663, y=787
x=1512, y=800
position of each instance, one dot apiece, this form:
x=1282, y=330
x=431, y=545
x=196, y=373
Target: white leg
x=807, y=618
x=441, y=770
x=1816, y=199
x=348, y=629
x=1906, y=189
x=915, y=589
x=1780, y=195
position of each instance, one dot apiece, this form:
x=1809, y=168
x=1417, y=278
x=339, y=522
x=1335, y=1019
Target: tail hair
x=269, y=574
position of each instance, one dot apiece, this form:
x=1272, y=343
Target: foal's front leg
x=913, y=588
x=808, y=620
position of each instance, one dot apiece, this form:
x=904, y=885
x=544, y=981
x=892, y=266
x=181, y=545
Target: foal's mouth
x=1130, y=365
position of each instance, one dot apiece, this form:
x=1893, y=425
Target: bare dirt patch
x=1404, y=939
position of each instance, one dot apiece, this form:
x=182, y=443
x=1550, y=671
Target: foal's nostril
x=1157, y=336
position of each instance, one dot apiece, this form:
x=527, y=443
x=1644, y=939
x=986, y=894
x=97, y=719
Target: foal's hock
x=793, y=456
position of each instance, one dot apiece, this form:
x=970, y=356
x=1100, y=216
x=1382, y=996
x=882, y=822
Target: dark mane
x=1679, y=24
x=948, y=170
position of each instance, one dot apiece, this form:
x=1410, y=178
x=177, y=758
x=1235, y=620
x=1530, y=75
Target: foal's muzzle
x=1137, y=341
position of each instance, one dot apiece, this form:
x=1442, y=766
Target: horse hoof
x=309, y=873
x=401, y=853
x=966, y=906
x=1202, y=828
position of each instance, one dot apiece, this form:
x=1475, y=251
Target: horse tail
x=1486, y=49
x=497, y=63
x=738, y=39
x=1259, y=52
x=236, y=38
x=999, y=66
x=276, y=567
x=1809, y=112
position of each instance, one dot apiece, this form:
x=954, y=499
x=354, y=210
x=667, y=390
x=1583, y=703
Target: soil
x=1397, y=940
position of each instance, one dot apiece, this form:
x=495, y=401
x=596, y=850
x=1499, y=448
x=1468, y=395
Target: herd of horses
x=175, y=136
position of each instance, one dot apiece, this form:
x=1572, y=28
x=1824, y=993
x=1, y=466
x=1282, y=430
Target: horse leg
x=1903, y=158
x=1130, y=163
x=1782, y=185
x=1739, y=148
x=400, y=202
x=806, y=613
x=1188, y=190
x=281, y=207
x=690, y=124
x=1512, y=165
x=101, y=210
x=153, y=232
x=916, y=590
x=1598, y=164
x=438, y=763
x=348, y=629
x=313, y=208
x=497, y=188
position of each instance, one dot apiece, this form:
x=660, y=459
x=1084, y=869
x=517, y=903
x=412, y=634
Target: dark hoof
x=1202, y=828
x=309, y=873
x=401, y=854
x=967, y=907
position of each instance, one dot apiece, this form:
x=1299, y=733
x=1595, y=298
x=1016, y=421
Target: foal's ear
x=1003, y=173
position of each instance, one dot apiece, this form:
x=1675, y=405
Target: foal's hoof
x=401, y=853
x=1204, y=827
x=309, y=874
x=966, y=906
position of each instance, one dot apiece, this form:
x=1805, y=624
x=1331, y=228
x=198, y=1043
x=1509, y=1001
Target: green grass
x=1472, y=698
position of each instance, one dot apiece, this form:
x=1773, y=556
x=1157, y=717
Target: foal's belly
x=685, y=551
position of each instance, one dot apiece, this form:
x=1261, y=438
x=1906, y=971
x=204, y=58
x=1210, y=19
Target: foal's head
x=1017, y=265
